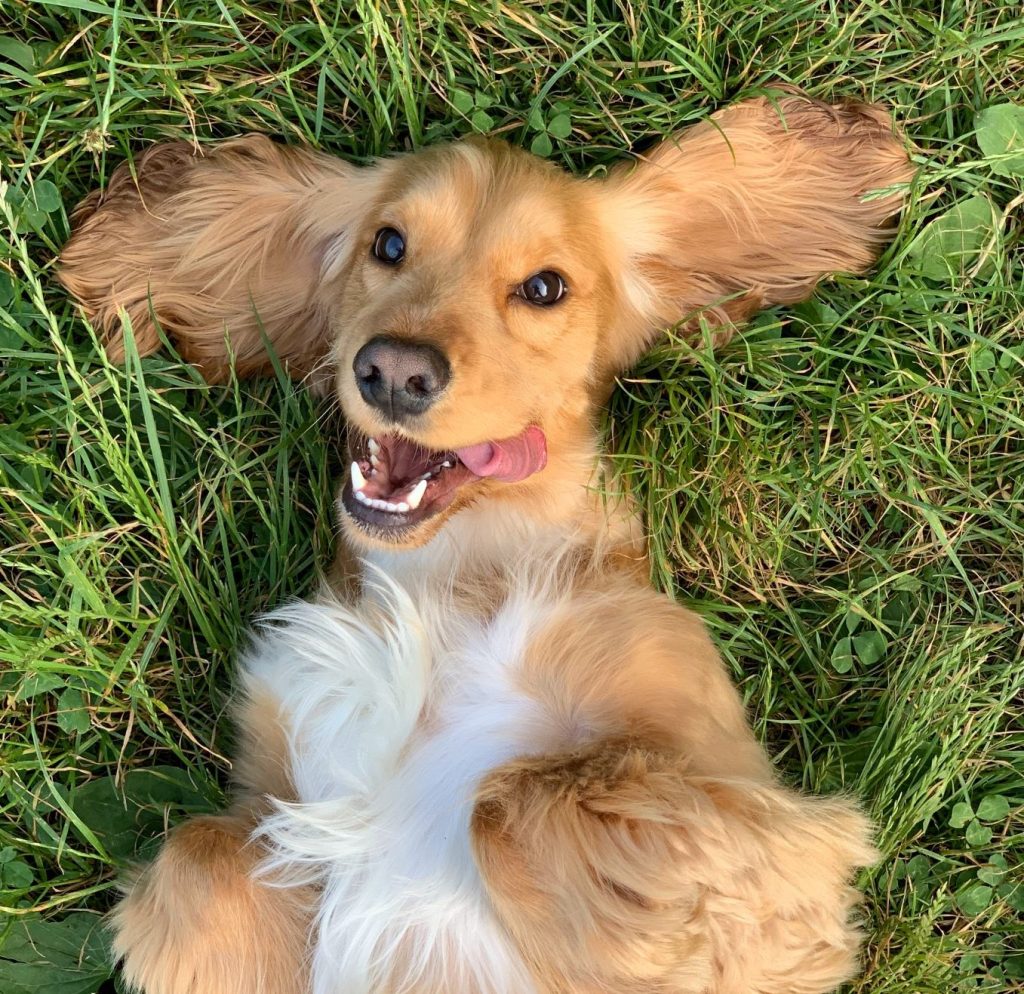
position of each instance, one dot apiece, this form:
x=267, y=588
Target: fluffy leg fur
x=616, y=871
x=197, y=922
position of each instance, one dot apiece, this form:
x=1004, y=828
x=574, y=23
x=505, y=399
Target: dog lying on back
x=501, y=763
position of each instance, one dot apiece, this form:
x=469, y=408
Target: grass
x=839, y=490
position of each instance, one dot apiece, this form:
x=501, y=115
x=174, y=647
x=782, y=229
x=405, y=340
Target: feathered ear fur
x=748, y=209
x=225, y=251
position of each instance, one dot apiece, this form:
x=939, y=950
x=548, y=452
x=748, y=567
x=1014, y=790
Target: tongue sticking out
x=511, y=459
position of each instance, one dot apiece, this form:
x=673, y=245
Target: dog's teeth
x=374, y=461
x=416, y=495
x=372, y=445
x=447, y=464
x=360, y=496
x=401, y=507
x=358, y=480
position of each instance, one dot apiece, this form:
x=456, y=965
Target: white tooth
x=401, y=507
x=392, y=508
x=361, y=496
x=447, y=464
x=416, y=494
x=381, y=505
x=374, y=461
x=358, y=480
x=373, y=447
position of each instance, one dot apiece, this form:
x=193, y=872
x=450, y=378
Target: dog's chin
x=364, y=530
x=399, y=493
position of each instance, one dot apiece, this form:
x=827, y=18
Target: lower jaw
x=387, y=527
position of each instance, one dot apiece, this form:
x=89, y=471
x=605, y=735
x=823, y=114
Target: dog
x=491, y=759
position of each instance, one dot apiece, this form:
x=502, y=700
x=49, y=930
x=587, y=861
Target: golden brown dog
x=503, y=764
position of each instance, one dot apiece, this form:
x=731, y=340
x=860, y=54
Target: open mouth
x=395, y=484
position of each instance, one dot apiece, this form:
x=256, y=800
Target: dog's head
x=472, y=304
x=467, y=334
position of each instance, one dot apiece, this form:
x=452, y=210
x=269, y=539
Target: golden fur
x=199, y=921
x=618, y=870
x=659, y=855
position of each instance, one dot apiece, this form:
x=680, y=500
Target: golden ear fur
x=242, y=246
x=224, y=252
x=748, y=209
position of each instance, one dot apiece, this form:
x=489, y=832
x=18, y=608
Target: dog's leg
x=199, y=920
x=617, y=871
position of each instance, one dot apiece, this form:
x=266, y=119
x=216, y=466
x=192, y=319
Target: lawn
x=840, y=491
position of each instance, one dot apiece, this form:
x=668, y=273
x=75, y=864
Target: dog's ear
x=225, y=252
x=748, y=209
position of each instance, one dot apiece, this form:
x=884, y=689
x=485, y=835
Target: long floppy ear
x=748, y=209
x=225, y=252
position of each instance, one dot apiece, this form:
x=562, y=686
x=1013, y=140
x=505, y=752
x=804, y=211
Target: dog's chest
x=392, y=734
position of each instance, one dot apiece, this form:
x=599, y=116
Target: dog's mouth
x=394, y=484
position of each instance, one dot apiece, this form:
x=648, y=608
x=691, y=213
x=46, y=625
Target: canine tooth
x=371, y=444
x=374, y=461
x=416, y=495
x=358, y=480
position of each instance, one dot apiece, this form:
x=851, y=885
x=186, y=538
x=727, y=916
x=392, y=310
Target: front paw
x=580, y=855
x=197, y=922
x=616, y=870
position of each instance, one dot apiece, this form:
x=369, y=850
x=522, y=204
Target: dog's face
x=467, y=335
x=474, y=302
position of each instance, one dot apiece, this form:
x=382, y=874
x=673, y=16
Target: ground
x=839, y=491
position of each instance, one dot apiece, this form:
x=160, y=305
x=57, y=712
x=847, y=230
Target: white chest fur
x=396, y=711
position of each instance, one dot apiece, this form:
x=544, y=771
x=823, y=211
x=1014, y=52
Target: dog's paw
x=197, y=922
x=617, y=870
x=580, y=856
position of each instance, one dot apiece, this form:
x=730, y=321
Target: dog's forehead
x=475, y=184
x=488, y=200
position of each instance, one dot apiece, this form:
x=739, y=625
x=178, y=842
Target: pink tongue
x=509, y=460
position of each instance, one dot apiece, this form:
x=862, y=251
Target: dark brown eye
x=389, y=246
x=543, y=289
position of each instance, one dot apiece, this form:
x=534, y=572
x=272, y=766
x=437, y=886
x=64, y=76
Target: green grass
x=839, y=490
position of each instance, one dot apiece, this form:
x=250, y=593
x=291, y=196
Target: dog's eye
x=543, y=289
x=389, y=246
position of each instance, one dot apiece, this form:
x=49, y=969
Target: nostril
x=419, y=385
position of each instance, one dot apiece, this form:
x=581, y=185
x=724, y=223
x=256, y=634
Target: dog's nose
x=400, y=379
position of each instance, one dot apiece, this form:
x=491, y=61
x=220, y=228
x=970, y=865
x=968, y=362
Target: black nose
x=401, y=379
